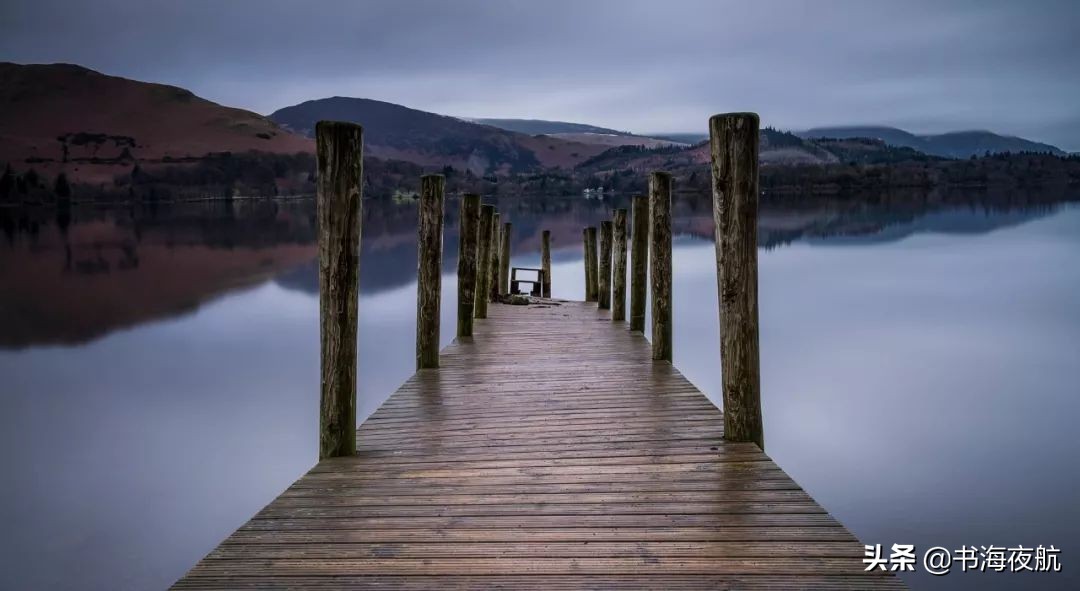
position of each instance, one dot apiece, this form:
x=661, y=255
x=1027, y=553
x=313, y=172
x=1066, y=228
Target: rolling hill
x=578, y=132
x=63, y=117
x=397, y=132
x=957, y=144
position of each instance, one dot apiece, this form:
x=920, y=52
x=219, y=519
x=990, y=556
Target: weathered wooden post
x=545, y=263
x=496, y=244
x=734, y=142
x=591, y=266
x=429, y=270
x=467, y=275
x=660, y=259
x=618, y=270
x=639, y=261
x=588, y=268
x=504, y=260
x=483, y=262
x=339, y=154
x=603, y=281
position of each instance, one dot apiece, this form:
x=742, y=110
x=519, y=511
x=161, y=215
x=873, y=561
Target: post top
x=329, y=125
x=742, y=115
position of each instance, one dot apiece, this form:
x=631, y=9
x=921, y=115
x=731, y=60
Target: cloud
x=926, y=65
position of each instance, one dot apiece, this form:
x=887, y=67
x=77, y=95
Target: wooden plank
x=547, y=452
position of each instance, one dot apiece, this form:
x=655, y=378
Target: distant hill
x=397, y=132
x=958, y=144
x=542, y=127
x=63, y=117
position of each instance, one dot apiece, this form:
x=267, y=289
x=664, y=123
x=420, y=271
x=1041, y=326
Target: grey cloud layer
x=643, y=66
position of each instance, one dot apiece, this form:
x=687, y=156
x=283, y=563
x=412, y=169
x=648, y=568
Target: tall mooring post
x=496, y=245
x=618, y=267
x=639, y=261
x=483, y=261
x=429, y=270
x=504, y=259
x=468, y=255
x=545, y=263
x=339, y=154
x=603, y=281
x=734, y=142
x=592, y=288
x=660, y=263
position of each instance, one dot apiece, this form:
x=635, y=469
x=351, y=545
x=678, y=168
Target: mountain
x=577, y=132
x=542, y=127
x=63, y=117
x=429, y=139
x=957, y=144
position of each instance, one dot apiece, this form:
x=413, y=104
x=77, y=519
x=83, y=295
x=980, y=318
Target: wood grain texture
x=338, y=202
x=504, y=258
x=603, y=273
x=639, y=261
x=592, y=270
x=734, y=143
x=483, y=262
x=468, y=246
x=545, y=263
x=429, y=230
x=496, y=255
x=547, y=452
x=660, y=263
x=618, y=266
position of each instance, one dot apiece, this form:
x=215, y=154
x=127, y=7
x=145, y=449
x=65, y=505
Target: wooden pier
x=551, y=446
x=547, y=452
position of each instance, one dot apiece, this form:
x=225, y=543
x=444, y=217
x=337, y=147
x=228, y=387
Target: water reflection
x=919, y=365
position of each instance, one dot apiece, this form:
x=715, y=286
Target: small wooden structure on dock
x=554, y=448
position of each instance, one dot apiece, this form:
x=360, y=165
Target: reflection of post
x=603, y=281
x=467, y=257
x=483, y=261
x=429, y=270
x=504, y=260
x=734, y=142
x=496, y=244
x=618, y=267
x=339, y=157
x=639, y=261
x=545, y=263
x=660, y=257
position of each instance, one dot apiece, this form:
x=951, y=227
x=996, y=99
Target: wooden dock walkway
x=547, y=452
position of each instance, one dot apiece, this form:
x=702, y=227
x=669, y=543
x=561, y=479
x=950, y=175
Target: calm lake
x=159, y=367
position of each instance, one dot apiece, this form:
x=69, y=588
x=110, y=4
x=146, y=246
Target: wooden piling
x=734, y=143
x=592, y=271
x=585, y=258
x=618, y=267
x=339, y=156
x=504, y=260
x=429, y=270
x=603, y=281
x=639, y=261
x=467, y=271
x=660, y=259
x=545, y=263
x=483, y=261
x=496, y=244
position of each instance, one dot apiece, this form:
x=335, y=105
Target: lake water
x=159, y=367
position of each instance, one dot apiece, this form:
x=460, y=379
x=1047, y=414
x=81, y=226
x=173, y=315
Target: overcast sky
x=927, y=66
